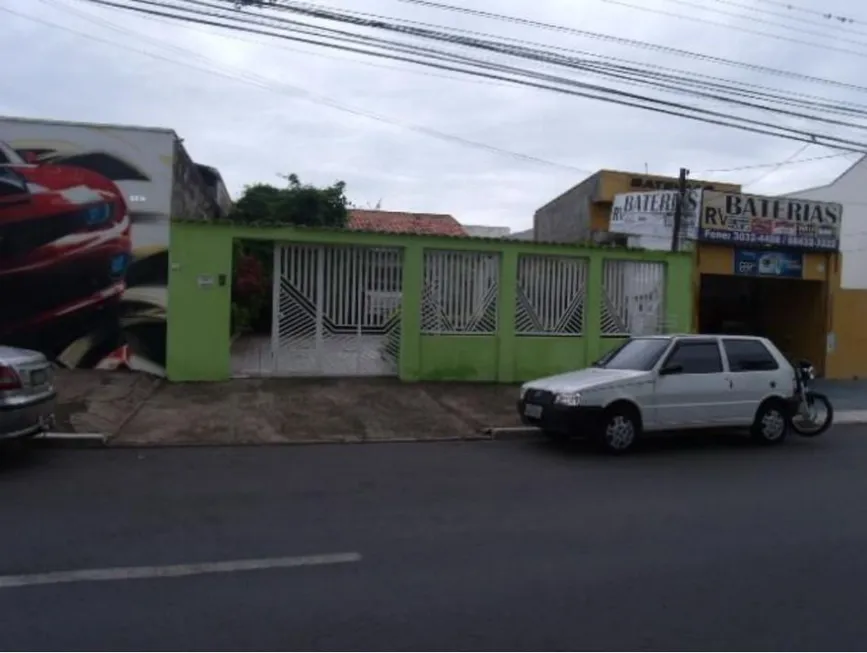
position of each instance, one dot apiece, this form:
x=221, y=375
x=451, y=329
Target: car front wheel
x=619, y=430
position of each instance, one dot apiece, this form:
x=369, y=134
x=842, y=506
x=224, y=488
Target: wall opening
x=252, y=265
x=789, y=312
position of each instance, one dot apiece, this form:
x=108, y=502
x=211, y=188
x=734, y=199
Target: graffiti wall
x=84, y=232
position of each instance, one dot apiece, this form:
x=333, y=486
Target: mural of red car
x=64, y=243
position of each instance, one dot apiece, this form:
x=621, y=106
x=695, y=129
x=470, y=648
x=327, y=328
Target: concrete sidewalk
x=273, y=411
x=134, y=409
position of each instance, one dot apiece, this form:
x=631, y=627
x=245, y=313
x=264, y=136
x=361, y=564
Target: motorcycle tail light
x=9, y=379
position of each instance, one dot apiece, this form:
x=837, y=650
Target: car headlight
x=523, y=392
x=568, y=399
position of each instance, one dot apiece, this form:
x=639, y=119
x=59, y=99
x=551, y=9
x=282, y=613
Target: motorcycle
x=812, y=414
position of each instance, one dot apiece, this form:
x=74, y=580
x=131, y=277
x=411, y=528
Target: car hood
x=587, y=379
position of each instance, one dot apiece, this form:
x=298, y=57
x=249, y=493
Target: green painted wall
x=198, y=324
x=198, y=331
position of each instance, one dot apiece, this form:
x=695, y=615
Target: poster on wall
x=754, y=263
x=738, y=219
x=84, y=229
x=648, y=218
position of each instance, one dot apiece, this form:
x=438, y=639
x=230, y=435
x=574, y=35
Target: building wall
x=216, y=188
x=582, y=213
x=199, y=328
x=566, y=219
x=847, y=343
x=191, y=197
x=101, y=332
x=484, y=231
x=849, y=190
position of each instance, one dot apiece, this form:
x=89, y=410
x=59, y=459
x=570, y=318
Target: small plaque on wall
x=205, y=281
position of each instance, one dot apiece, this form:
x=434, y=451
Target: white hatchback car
x=667, y=383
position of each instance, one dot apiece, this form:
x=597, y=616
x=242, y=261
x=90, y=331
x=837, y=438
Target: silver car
x=27, y=395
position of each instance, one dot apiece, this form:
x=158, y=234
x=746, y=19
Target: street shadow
x=679, y=442
x=20, y=457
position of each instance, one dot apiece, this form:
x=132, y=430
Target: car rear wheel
x=619, y=430
x=771, y=425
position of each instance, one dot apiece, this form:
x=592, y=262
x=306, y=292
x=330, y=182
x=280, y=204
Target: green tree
x=295, y=203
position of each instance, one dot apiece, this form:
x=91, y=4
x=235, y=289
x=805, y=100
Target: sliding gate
x=336, y=310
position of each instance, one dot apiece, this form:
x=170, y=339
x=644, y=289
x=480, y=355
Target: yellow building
x=804, y=311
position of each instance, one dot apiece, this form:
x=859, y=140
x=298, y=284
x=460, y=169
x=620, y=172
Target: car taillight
x=9, y=379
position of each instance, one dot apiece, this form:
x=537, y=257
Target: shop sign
x=741, y=219
x=652, y=215
x=648, y=183
x=753, y=263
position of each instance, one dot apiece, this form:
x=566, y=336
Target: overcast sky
x=255, y=107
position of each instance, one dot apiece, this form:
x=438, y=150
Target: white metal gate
x=633, y=298
x=336, y=310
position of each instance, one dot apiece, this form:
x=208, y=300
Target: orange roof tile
x=399, y=222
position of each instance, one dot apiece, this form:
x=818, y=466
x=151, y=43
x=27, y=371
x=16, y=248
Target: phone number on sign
x=750, y=238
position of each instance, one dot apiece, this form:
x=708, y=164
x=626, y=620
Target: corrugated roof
x=400, y=222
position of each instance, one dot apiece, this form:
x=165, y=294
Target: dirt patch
x=480, y=405
x=98, y=401
x=270, y=411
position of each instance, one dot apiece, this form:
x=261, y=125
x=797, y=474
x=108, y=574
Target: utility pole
x=678, y=209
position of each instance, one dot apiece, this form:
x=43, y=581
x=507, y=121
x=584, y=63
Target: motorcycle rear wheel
x=807, y=425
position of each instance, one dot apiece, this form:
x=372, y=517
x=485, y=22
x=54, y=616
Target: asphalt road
x=710, y=544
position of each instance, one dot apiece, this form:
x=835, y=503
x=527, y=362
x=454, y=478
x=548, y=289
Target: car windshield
x=637, y=354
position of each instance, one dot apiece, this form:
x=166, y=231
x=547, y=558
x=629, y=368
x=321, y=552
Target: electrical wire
x=442, y=6
x=637, y=76
x=773, y=170
x=301, y=93
x=747, y=30
x=620, y=97
x=841, y=25
x=757, y=166
x=815, y=12
x=762, y=21
x=778, y=164
x=641, y=72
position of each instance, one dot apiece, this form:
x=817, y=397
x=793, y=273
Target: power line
x=705, y=21
x=841, y=26
x=774, y=165
x=815, y=12
x=773, y=170
x=622, y=97
x=688, y=82
x=645, y=70
x=558, y=165
x=656, y=80
x=762, y=21
x=757, y=166
x=432, y=4
x=301, y=93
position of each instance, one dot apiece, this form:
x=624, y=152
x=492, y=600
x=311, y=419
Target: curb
x=850, y=417
x=841, y=418
x=510, y=432
x=70, y=440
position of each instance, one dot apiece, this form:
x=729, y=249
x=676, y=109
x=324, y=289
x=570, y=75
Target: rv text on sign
x=652, y=214
x=785, y=222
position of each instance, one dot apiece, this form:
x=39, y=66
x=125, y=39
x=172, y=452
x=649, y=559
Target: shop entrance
x=789, y=312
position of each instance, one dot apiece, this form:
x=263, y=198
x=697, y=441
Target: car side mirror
x=668, y=370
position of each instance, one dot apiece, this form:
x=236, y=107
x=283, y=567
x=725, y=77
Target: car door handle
x=731, y=383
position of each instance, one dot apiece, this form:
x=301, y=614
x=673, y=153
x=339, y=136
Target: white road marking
x=174, y=571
